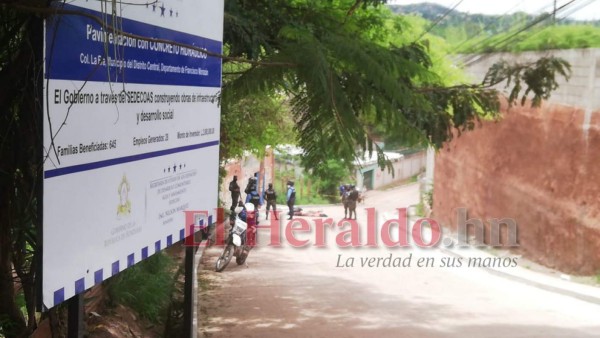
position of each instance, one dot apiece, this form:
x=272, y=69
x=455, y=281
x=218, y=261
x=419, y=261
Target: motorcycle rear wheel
x=224, y=259
x=241, y=259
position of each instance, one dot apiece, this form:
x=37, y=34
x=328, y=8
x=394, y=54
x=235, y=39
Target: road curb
x=195, y=295
x=530, y=280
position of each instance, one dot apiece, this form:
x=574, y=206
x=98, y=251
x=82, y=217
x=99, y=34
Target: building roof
x=367, y=160
x=363, y=161
x=288, y=149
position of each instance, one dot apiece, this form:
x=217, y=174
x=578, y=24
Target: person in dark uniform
x=252, y=185
x=352, y=199
x=234, y=188
x=345, y=200
x=291, y=198
x=271, y=197
x=252, y=195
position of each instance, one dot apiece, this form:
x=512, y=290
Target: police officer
x=291, y=198
x=271, y=197
x=234, y=188
x=352, y=199
x=252, y=195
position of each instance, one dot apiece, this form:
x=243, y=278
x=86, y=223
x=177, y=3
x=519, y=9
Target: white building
x=370, y=176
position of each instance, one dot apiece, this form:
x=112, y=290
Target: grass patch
x=312, y=200
x=420, y=209
x=306, y=190
x=145, y=287
x=205, y=283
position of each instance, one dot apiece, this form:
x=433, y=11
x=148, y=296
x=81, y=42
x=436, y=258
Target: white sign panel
x=131, y=134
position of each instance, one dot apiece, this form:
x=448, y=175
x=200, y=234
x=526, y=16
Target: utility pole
x=554, y=14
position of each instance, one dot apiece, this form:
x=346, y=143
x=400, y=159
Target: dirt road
x=304, y=292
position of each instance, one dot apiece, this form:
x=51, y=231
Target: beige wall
x=244, y=169
x=404, y=168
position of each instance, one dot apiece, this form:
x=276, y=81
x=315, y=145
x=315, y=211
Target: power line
x=540, y=19
x=513, y=36
x=570, y=12
x=484, y=28
x=439, y=20
x=575, y=10
x=542, y=9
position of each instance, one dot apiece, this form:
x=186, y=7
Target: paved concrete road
x=291, y=292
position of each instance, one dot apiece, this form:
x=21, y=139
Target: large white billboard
x=131, y=133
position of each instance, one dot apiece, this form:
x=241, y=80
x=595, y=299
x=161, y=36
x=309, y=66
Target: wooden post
x=188, y=290
x=75, y=314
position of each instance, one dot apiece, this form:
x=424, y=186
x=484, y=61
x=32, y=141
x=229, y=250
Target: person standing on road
x=252, y=185
x=345, y=195
x=352, y=199
x=234, y=188
x=271, y=197
x=252, y=195
x=291, y=198
x=342, y=189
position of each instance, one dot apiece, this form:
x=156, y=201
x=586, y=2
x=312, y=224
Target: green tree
x=253, y=122
x=340, y=66
x=329, y=175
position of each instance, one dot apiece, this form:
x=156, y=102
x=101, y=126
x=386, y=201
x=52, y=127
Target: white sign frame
x=131, y=134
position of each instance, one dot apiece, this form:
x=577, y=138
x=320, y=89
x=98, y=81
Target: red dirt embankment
x=537, y=166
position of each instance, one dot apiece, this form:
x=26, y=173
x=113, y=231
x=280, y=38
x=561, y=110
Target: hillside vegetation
x=517, y=32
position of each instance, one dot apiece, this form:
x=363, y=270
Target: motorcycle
x=236, y=245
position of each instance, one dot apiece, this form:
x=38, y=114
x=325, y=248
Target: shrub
x=146, y=287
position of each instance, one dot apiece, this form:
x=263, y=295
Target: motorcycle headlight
x=237, y=240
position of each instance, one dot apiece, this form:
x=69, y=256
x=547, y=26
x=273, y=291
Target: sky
x=574, y=9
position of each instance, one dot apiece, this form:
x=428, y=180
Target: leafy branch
x=538, y=77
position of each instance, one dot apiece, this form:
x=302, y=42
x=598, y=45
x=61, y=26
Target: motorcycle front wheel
x=224, y=259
